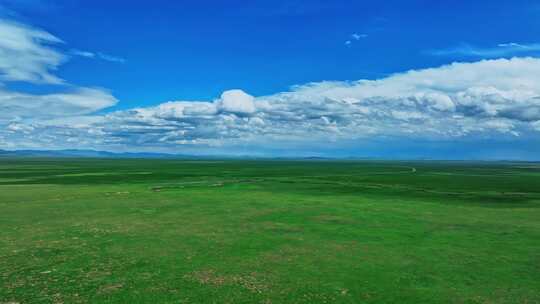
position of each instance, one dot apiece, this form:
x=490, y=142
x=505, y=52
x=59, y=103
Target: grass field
x=173, y=231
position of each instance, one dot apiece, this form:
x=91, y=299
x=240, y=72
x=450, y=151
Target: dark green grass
x=172, y=231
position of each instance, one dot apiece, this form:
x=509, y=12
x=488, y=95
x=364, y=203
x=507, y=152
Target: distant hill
x=79, y=153
x=74, y=153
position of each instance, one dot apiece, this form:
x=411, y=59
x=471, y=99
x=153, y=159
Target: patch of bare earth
x=251, y=282
x=110, y=288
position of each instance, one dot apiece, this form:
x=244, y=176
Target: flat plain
x=273, y=231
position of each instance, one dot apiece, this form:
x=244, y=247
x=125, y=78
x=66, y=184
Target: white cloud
x=83, y=53
x=502, y=49
x=357, y=36
x=26, y=55
x=98, y=55
x=81, y=101
x=19, y=127
x=111, y=58
x=536, y=125
x=236, y=101
x=485, y=99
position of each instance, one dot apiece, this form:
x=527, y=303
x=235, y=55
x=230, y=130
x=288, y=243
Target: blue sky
x=113, y=66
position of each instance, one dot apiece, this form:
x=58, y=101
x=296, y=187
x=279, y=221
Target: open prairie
x=225, y=231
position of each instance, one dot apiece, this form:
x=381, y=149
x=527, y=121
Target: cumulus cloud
x=485, y=99
x=236, y=101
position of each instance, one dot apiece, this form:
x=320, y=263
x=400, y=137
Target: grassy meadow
x=213, y=231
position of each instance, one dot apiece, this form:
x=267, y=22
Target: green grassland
x=187, y=231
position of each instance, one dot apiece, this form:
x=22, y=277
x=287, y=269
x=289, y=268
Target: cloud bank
x=488, y=99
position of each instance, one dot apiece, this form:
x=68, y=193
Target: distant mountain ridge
x=74, y=153
x=82, y=153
